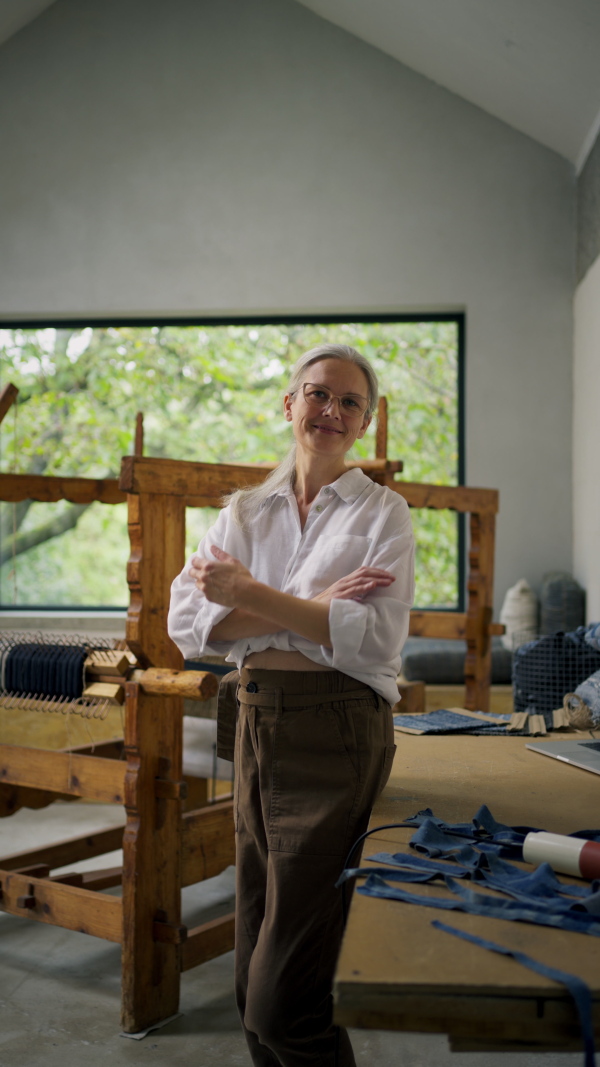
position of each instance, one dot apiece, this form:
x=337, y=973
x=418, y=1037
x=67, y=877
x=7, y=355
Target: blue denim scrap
x=473, y=851
x=435, y=837
x=483, y=822
x=579, y=990
x=433, y=841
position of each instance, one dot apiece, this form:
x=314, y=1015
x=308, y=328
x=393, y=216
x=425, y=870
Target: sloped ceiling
x=535, y=64
x=14, y=14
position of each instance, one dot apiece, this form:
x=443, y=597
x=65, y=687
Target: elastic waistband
x=297, y=689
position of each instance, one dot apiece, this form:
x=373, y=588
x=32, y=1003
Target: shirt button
x=319, y=507
x=327, y=490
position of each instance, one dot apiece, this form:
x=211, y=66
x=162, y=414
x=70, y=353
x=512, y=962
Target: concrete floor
x=60, y=990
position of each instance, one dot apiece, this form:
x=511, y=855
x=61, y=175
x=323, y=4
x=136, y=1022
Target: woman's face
x=331, y=428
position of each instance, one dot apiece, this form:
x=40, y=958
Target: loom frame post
x=151, y=860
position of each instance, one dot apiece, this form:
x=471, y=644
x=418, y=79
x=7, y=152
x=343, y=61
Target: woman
x=306, y=582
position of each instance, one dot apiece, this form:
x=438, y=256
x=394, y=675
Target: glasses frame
x=334, y=396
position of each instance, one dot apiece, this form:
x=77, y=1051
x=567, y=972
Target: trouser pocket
x=388, y=761
x=315, y=782
x=227, y=709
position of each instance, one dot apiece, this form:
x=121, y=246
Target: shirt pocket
x=334, y=557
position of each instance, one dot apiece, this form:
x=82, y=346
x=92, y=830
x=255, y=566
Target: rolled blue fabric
x=545, y=670
x=592, y=636
x=589, y=692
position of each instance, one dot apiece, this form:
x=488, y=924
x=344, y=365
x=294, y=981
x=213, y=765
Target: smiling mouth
x=326, y=429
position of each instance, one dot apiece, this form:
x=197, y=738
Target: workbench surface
x=396, y=972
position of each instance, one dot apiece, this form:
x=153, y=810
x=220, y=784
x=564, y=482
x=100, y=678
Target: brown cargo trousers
x=312, y=752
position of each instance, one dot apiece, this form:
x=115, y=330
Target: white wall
x=236, y=156
x=586, y=456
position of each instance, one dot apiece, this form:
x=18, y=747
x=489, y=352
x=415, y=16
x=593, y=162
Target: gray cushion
x=440, y=662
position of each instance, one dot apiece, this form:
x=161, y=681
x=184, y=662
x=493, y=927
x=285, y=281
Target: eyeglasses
x=352, y=405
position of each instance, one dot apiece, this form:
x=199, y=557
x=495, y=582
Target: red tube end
x=589, y=860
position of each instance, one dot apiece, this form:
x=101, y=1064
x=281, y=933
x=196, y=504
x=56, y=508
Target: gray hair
x=246, y=503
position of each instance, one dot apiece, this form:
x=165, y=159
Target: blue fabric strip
x=578, y=989
x=557, y=908
x=420, y=863
x=496, y=873
x=392, y=876
x=480, y=904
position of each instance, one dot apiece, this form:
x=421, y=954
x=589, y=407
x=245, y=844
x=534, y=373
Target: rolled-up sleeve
x=374, y=630
x=191, y=616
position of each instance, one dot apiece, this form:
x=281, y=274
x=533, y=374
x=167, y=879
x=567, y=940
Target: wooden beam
x=159, y=681
x=8, y=396
x=446, y=624
x=61, y=905
x=105, y=878
x=205, y=484
x=207, y=843
x=63, y=772
x=138, y=447
x=381, y=433
x=14, y=797
x=107, y=749
x=207, y=941
x=157, y=537
x=71, y=850
x=16, y=487
x=480, y=592
x=463, y=498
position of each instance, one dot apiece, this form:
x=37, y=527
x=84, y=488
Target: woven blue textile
x=578, y=989
x=445, y=721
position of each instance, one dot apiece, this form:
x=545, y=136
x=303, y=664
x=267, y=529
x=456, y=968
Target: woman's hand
x=224, y=582
x=356, y=585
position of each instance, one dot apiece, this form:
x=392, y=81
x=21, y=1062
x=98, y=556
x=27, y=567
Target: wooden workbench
x=396, y=972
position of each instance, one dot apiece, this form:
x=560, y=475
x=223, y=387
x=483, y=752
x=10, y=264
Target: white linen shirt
x=352, y=523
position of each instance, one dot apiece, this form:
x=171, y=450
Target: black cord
x=359, y=840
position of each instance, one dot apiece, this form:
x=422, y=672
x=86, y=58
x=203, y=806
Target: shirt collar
x=348, y=486
x=351, y=484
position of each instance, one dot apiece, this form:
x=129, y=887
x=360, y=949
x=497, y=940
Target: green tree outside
x=209, y=394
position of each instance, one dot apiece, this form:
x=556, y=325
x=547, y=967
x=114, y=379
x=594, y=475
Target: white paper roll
x=560, y=851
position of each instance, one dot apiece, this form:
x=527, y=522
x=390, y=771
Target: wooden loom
x=164, y=848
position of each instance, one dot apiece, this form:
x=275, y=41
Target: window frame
x=458, y=317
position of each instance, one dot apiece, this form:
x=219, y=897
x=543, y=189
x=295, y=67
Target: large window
x=212, y=393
